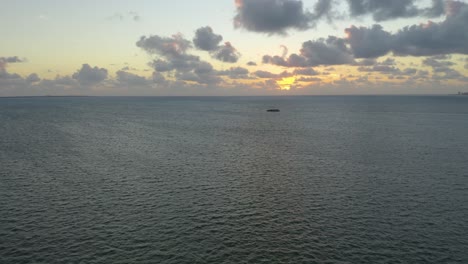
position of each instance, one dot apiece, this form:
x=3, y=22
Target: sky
x=233, y=47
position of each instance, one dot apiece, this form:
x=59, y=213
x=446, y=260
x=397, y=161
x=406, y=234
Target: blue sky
x=59, y=44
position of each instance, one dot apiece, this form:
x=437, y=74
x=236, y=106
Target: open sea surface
x=329, y=179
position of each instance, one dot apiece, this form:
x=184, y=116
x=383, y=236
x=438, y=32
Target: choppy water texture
x=220, y=180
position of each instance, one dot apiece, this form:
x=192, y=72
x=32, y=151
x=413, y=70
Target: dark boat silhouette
x=273, y=110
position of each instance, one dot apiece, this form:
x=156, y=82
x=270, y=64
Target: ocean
x=329, y=179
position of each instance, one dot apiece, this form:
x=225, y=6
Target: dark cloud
x=309, y=79
x=90, y=76
x=8, y=76
x=61, y=82
x=4, y=61
x=227, y=53
x=330, y=51
x=159, y=78
x=434, y=62
x=447, y=37
x=409, y=71
x=388, y=61
x=162, y=65
x=445, y=73
x=251, y=63
x=382, y=10
x=365, y=62
x=169, y=47
x=323, y=8
x=437, y=9
x=32, y=78
x=306, y=72
x=380, y=68
x=441, y=67
x=202, y=74
x=387, y=66
x=277, y=16
x=15, y=85
x=369, y=42
x=235, y=73
x=203, y=68
x=14, y=59
x=173, y=59
x=130, y=79
x=206, y=40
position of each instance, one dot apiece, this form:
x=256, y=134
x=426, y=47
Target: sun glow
x=285, y=83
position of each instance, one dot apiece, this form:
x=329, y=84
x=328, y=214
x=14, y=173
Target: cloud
x=323, y=8
x=330, y=51
x=409, y=71
x=251, y=63
x=12, y=84
x=171, y=53
x=159, y=78
x=90, y=76
x=387, y=66
x=162, y=65
x=235, y=73
x=227, y=53
x=306, y=72
x=277, y=16
x=4, y=75
x=435, y=62
x=446, y=37
x=382, y=10
x=445, y=73
x=441, y=67
x=130, y=79
x=32, y=78
x=270, y=75
x=206, y=40
x=14, y=59
x=365, y=62
x=369, y=42
x=123, y=16
x=4, y=61
x=437, y=9
x=309, y=79
x=172, y=56
x=170, y=47
x=203, y=73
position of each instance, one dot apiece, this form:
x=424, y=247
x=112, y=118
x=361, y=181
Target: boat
x=273, y=110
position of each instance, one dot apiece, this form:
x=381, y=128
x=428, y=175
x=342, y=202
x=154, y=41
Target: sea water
x=339, y=179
